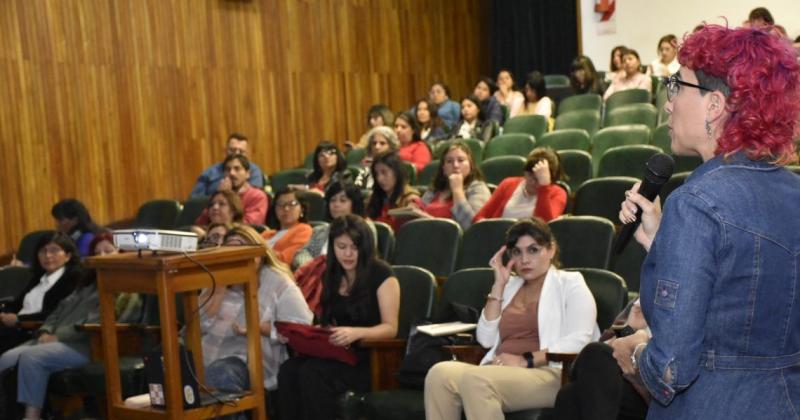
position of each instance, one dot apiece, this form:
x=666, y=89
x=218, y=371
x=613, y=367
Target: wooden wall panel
x=118, y=102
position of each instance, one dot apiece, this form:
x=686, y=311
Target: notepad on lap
x=446, y=328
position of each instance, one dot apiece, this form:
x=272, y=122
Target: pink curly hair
x=763, y=75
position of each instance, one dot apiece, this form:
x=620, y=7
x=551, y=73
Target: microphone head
x=659, y=168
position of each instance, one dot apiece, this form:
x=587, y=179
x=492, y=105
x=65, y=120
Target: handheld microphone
x=658, y=170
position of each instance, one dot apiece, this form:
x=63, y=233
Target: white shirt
x=543, y=106
x=32, y=303
x=465, y=132
x=273, y=240
x=657, y=68
x=520, y=204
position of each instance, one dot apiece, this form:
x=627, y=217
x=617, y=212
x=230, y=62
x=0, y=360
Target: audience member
x=536, y=101
x=458, y=191
x=224, y=327
x=209, y=181
x=472, y=124
x=341, y=198
x=759, y=18
x=56, y=270
x=583, y=76
x=431, y=126
x=412, y=148
x=58, y=344
x=734, y=102
x=287, y=220
x=615, y=65
x=379, y=115
x=381, y=140
x=127, y=306
x=254, y=200
x=534, y=194
x=360, y=301
x=630, y=77
x=329, y=165
x=224, y=206
x=491, y=109
x=216, y=233
x=390, y=191
x=449, y=110
x=536, y=310
x=73, y=219
x=667, y=62
x=506, y=93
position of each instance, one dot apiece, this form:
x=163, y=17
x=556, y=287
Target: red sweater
x=417, y=153
x=551, y=200
x=255, y=203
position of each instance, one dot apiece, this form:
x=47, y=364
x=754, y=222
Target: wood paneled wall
x=117, y=102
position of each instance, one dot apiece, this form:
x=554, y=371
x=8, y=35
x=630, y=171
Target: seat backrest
x=628, y=264
x=617, y=136
x=553, y=80
x=625, y=97
x=428, y=243
x=417, y=290
x=191, y=210
x=510, y=145
x=586, y=101
x=626, y=160
x=28, y=243
x=13, y=280
x=577, y=164
x=283, y=178
x=535, y=125
x=385, y=241
x=567, y=138
x=428, y=173
x=467, y=287
x=609, y=292
x=602, y=197
x=157, y=214
x=583, y=241
x=660, y=138
x=496, y=169
x=355, y=156
x=475, y=146
x=686, y=163
x=588, y=120
x=411, y=172
x=675, y=181
x=316, y=204
x=645, y=114
x=481, y=241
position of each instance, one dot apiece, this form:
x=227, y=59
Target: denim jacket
x=721, y=292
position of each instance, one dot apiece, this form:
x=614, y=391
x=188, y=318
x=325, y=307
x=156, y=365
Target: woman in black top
x=360, y=300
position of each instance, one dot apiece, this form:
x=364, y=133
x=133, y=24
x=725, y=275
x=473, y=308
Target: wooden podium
x=164, y=275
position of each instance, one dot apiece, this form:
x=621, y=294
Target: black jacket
x=63, y=287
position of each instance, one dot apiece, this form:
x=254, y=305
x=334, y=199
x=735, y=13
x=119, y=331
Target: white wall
x=640, y=23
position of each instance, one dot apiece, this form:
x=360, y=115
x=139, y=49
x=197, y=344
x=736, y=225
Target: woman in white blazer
x=533, y=308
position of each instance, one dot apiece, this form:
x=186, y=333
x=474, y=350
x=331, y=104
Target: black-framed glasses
x=673, y=84
x=288, y=205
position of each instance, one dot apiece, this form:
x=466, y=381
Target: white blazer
x=567, y=315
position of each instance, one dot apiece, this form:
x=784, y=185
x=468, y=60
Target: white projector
x=155, y=240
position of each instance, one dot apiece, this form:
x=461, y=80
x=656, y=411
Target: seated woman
x=506, y=93
x=491, y=109
x=412, y=148
x=58, y=344
x=224, y=206
x=73, y=219
x=615, y=64
x=341, y=198
x=287, y=220
x=431, y=126
x=537, y=310
x=56, y=271
x=449, y=110
x=216, y=233
x=536, y=100
x=391, y=191
x=458, y=191
x=223, y=323
x=127, y=306
x=360, y=301
x=583, y=76
x=329, y=165
x=630, y=77
x=534, y=194
x=667, y=62
x=472, y=124
x=381, y=140
x=378, y=115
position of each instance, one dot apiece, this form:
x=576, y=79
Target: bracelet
x=634, y=359
x=493, y=297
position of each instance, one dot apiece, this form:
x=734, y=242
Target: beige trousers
x=486, y=392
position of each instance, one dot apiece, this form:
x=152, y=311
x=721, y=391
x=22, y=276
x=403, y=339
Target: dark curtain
x=528, y=35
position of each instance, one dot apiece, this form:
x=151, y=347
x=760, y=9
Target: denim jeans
x=229, y=374
x=35, y=363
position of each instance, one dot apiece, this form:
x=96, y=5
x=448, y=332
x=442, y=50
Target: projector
x=155, y=240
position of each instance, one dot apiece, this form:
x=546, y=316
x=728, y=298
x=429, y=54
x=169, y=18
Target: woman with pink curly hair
x=720, y=287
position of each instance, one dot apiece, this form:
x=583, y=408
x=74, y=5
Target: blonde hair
x=252, y=237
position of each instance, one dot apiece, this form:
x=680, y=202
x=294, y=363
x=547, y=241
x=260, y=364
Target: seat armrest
x=467, y=353
x=30, y=325
x=566, y=360
x=385, y=356
x=129, y=338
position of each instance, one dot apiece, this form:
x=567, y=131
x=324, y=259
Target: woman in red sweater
x=535, y=193
x=412, y=148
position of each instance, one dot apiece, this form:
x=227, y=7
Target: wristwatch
x=528, y=358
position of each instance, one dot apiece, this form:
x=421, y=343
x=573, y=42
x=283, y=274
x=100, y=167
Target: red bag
x=307, y=340
x=309, y=280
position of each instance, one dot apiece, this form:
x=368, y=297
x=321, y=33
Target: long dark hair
x=341, y=162
x=64, y=242
x=433, y=111
x=71, y=208
x=359, y=232
x=590, y=83
x=379, y=197
x=352, y=192
x=535, y=82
